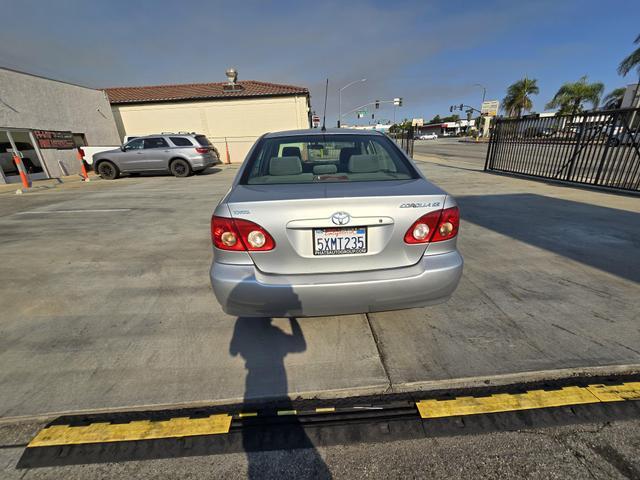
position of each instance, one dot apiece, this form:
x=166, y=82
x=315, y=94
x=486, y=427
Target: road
x=106, y=305
x=452, y=149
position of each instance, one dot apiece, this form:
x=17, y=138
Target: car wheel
x=613, y=142
x=108, y=170
x=180, y=168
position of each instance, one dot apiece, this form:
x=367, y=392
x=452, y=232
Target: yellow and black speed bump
x=303, y=424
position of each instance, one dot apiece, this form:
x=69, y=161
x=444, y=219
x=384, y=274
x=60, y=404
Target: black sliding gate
x=594, y=148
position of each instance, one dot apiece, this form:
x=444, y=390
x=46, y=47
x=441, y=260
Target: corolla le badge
x=341, y=218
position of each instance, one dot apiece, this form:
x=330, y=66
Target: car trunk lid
x=291, y=213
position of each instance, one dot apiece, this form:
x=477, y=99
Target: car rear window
x=181, y=141
x=202, y=140
x=326, y=158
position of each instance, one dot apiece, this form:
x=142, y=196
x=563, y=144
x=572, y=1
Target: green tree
x=614, y=98
x=571, y=96
x=436, y=119
x=518, y=100
x=632, y=61
x=451, y=118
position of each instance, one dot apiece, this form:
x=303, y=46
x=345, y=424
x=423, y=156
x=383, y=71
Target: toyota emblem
x=340, y=218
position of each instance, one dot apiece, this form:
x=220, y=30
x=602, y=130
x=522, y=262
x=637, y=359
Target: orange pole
x=227, y=147
x=83, y=170
x=24, y=176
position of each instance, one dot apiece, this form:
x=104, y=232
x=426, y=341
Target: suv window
x=134, y=144
x=181, y=141
x=155, y=142
x=202, y=140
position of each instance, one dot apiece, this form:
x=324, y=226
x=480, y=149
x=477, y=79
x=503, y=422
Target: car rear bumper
x=203, y=161
x=243, y=290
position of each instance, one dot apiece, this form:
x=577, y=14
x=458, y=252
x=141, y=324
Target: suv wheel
x=613, y=142
x=180, y=168
x=108, y=170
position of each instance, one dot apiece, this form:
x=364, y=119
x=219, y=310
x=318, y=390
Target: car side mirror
x=123, y=148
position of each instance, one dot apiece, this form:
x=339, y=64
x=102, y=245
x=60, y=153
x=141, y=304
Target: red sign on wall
x=54, y=139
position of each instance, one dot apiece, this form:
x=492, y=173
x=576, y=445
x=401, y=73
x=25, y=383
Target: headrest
x=325, y=169
x=285, y=166
x=345, y=153
x=291, y=152
x=363, y=164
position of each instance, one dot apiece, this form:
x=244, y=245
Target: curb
x=46, y=184
x=522, y=379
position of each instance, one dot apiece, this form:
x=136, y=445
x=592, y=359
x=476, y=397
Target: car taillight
x=202, y=149
x=240, y=235
x=434, y=227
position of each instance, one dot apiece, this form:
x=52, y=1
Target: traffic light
x=377, y=104
x=461, y=106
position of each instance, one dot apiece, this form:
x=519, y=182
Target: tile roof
x=196, y=91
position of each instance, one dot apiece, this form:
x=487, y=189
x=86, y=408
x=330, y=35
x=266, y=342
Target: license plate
x=339, y=241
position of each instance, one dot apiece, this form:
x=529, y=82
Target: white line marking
x=95, y=210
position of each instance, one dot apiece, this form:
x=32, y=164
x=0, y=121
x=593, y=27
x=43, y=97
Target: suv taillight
x=240, y=235
x=434, y=227
x=202, y=149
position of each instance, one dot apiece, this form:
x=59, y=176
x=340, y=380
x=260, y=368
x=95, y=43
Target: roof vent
x=231, y=85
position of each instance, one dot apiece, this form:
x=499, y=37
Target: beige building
x=232, y=115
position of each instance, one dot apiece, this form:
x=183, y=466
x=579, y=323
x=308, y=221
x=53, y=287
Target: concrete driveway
x=106, y=301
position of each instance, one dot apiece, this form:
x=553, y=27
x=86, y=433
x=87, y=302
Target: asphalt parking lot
x=107, y=304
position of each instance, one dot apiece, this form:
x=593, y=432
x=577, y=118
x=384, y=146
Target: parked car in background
x=181, y=155
x=428, y=136
x=329, y=223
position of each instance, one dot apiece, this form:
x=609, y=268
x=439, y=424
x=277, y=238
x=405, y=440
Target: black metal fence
x=595, y=148
x=405, y=140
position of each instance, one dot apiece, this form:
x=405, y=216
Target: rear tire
x=613, y=142
x=108, y=171
x=180, y=168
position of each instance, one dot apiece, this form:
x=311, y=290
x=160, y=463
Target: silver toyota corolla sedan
x=332, y=222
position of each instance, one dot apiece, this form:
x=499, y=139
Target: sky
x=430, y=53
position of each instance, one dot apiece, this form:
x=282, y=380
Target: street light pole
x=484, y=94
x=340, y=98
x=484, y=90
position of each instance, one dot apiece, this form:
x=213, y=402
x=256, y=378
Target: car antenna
x=324, y=114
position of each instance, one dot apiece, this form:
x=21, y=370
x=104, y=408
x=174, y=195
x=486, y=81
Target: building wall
x=31, y=102
x=239, y=121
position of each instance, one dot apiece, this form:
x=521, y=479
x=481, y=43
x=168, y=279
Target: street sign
x=397, y=101
x=315, y=119
x=490, y=108
x=361, y=113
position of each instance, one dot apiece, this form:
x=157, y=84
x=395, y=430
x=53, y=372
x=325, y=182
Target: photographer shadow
x=264, y=346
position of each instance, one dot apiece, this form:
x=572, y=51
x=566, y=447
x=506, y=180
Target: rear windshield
x=202, y=140
x=326, y=158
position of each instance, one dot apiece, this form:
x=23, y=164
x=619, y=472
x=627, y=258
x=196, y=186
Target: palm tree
x=517, y=100
x=613, y=99
x=572, y=95
x=633, y=60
